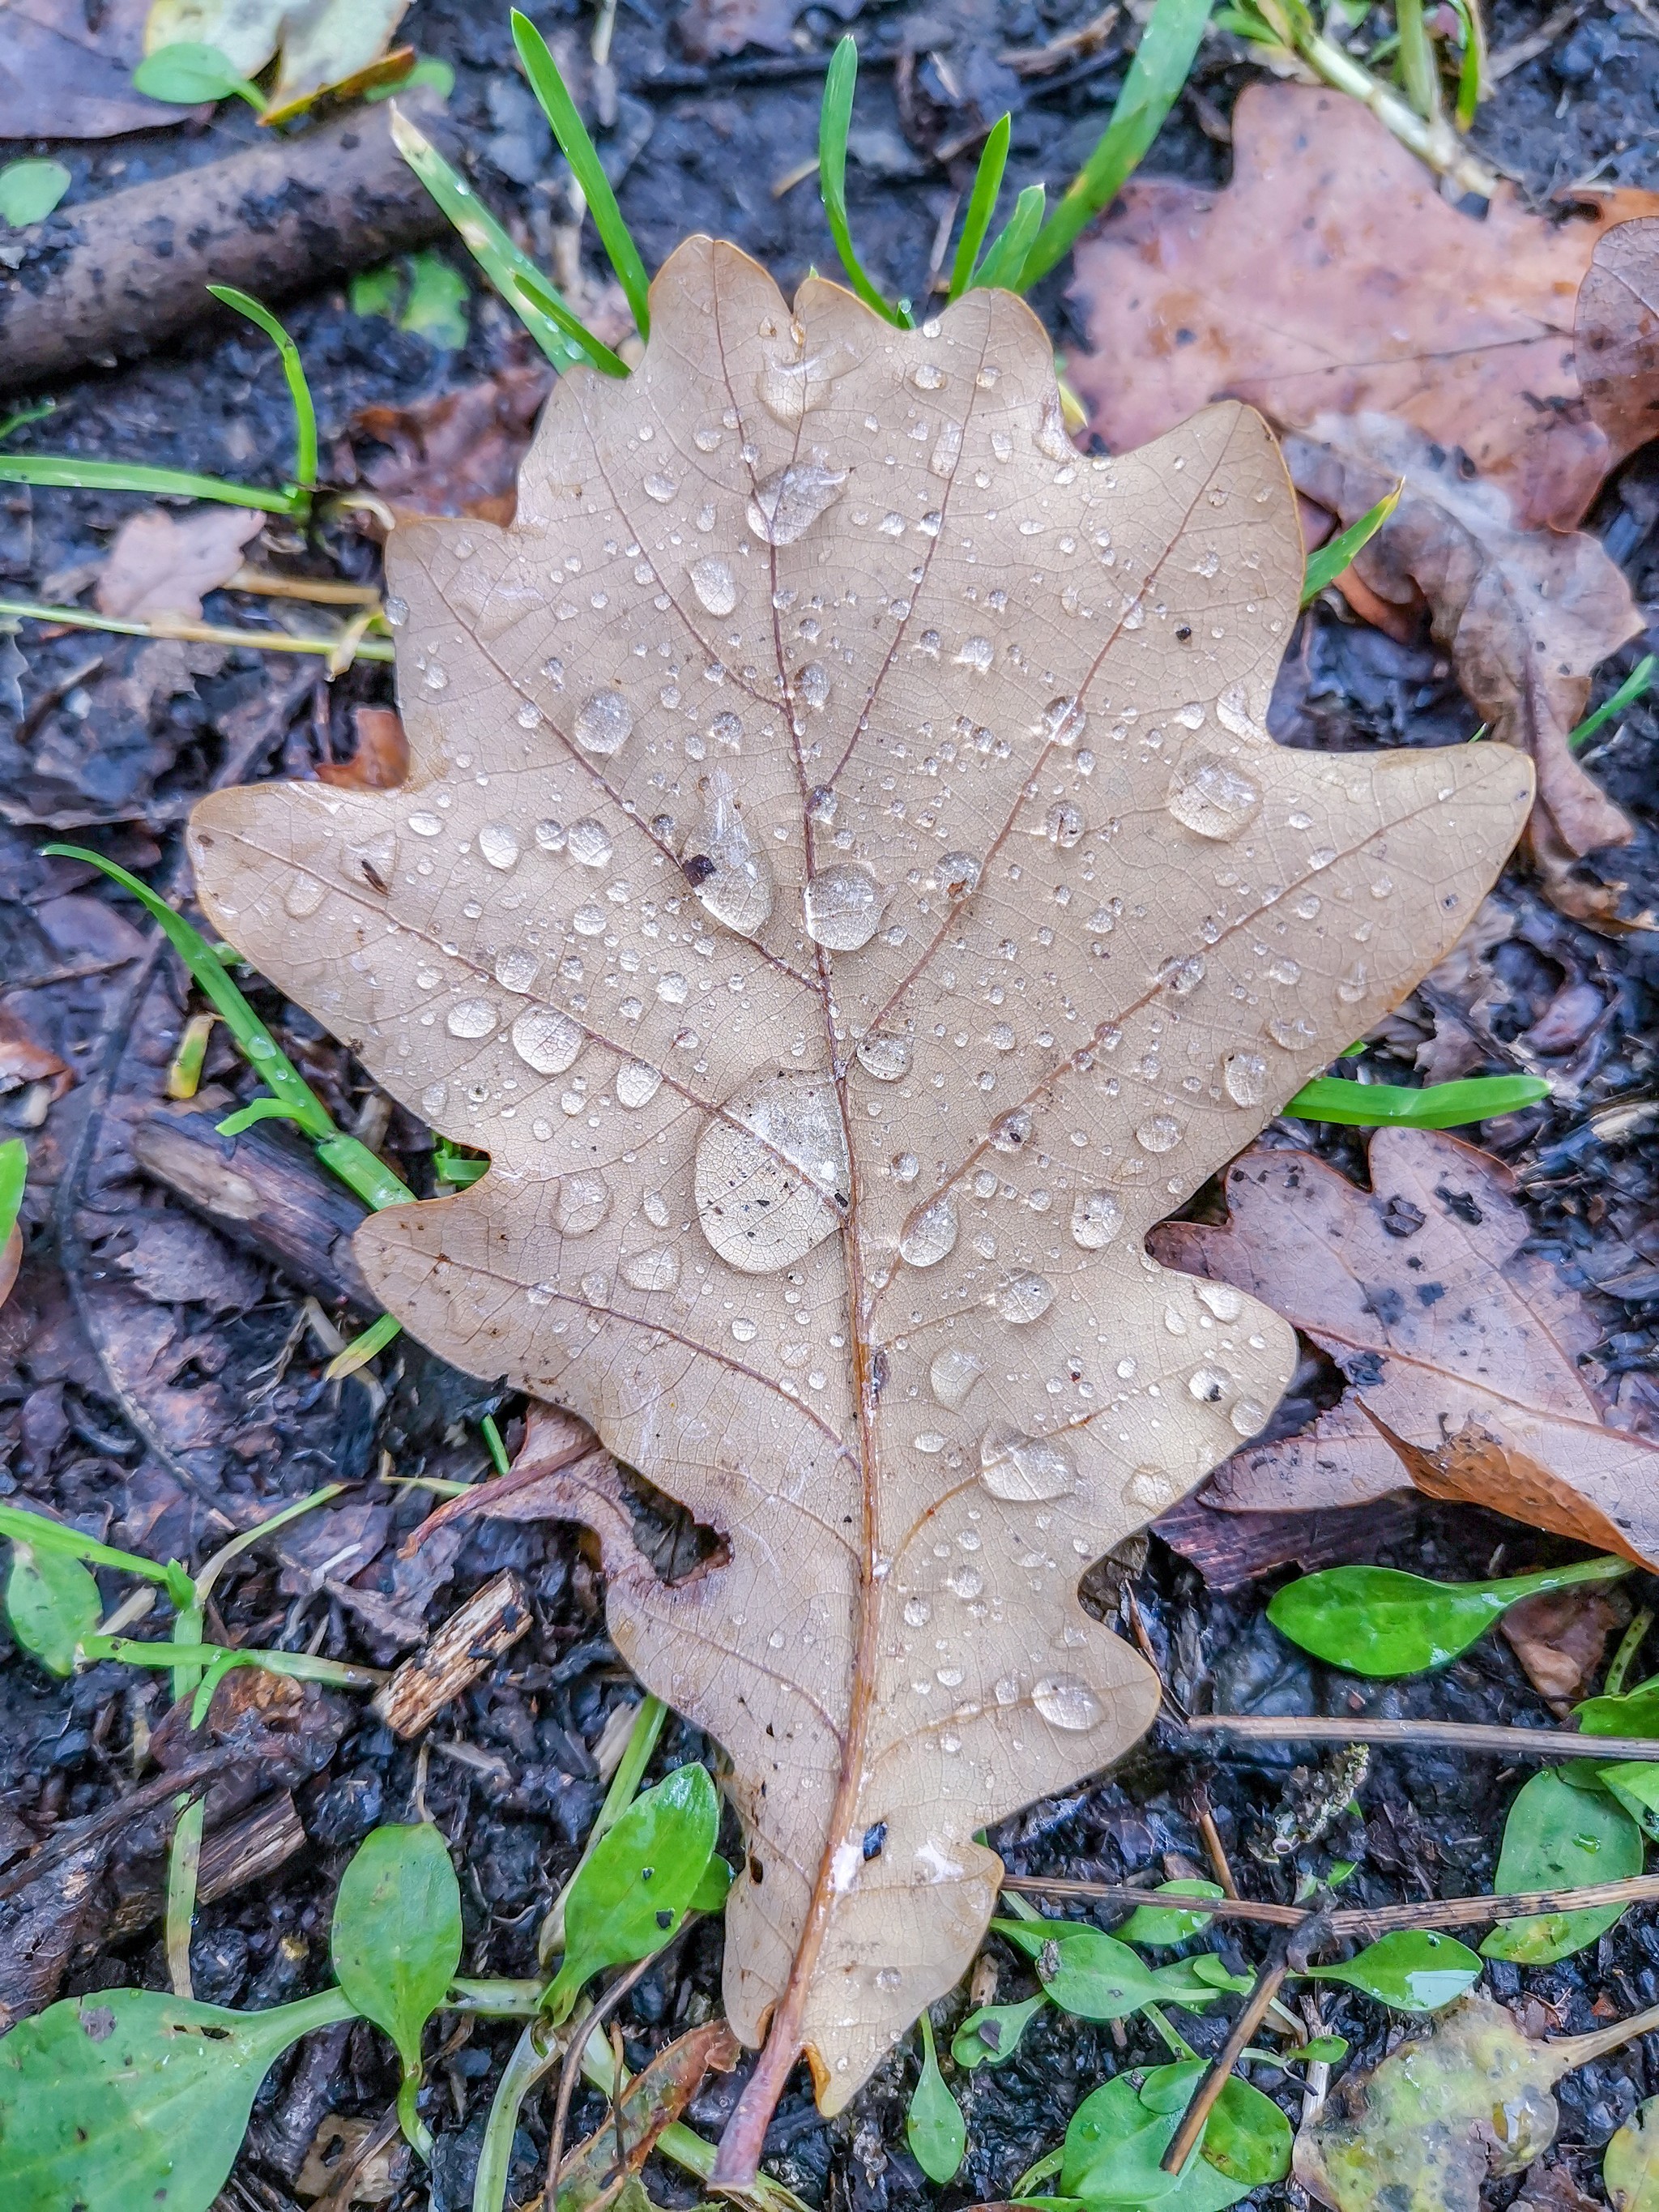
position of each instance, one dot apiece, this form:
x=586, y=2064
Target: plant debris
x=162, y=565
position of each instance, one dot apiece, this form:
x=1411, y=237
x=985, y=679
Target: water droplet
x=791, y=389
x=905, y=1167
x=1011, y=1131
x=1049, y=435
x=730, y=874
x=1064, y=721
x=588, y=842
x=1209, y=1385
x=1097, y=1217
x=1222, y=1300
x=1023, y=1296
x=952, y=1375
x=660, y=488
x=714, y=586
x=550, y=836
x=604, y=723
x=745, y=1331
x=947, y=450
x=1150, y=1488
x=772, y=1177
x=977, y=654
x=1159, y=1132
x=930, y=1234
x=789, y=501
x=584, y=1201
x=397, y=611
x=304, y=895
x=673, y=990
x=434, y=1099
x=515, y=969
x=1063, y=824
x=1183, y=974
x=637, y=1082
x=705, y=440
x=436, y=678
x=886, y=1058
x=1025, y=1468
x=1065, y=1703
x=842, y=906
x=658, y=1269
x=822, y=805
x=426, y=825
x=1247, y=1417
x=470, y=1017
x=927, y=376
x=958, y=875
x=1244, y=1078
x=546, y=1040
x=1210, y=798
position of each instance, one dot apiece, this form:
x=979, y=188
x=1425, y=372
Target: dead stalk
x=1455, y=1735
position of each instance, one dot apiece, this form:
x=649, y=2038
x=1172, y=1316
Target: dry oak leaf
x=1330, y=277
x=1618, y=334
x=845, y=886
x=1462, y=1351
x=161, y=564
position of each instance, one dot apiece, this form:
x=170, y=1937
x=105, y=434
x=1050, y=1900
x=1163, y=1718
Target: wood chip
x=490, y=1622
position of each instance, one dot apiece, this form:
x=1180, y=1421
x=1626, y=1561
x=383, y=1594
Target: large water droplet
x=1065, y=1703
x=1159, y=1132
x=952, y=1375
x=658, y=1269
x=304, y=895
x=1048, y=433
x=1025, y=1468
x=842, y=906
x=930, y=1234
x=588, y=842
x=1209, y=1385
x=1211, y=797
x=498, y=844
x=772, y=1177
x=546, y=1040
x=958, y=874
x=1245, y=1077
x=1023, y=1296
x=660, y=488
x=714, y=585
x=789, y=501
x=604, y=723
x=515, y=969
x=1097, y=1217
x=790, y=389
x=470, y=1017
x=583, y=1200
x=886, y=1058
x=637, y=1082
x=730, y=874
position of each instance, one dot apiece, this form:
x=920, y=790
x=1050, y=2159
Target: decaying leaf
x=845, y=886
x=1330, y=277
x=380, y=759
x=1462, y=1351
x=458, y=453
x=595, y=2173
x=1468, y=2098
x=66, y=72
x=1618, y=334
x=1630, y=2167
x=161, y=565
x=1526, y=615
x=324, y=44
x=1561, y=1637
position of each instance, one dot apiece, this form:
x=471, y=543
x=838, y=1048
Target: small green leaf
x=436, y=309
x=1378, y=1622
x=933, y=2125
x=639, y=1883
x=377, y=291
x=126, y=2098
x=1247, y=2137
x=1634, y=1713
x=1630, y=2164
x=1119, y=2135
x=29, y=191
x=1330, y=2048
x=428, y=70
x=1084, y=1972
x=1399, y=1106
x=1006, y=255
x=187, y=73
x=1326, y=565
x=835, y=120
x=1156, y=1925
x=52, y=1603
x=14, y=1178
x=1412, y=1969
x=991, y=2036
x=710, y=1893
x=396, y=1942
x=1557, y=1837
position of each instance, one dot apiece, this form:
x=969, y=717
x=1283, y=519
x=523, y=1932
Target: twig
x=195, y=633
x=1289, y=1944
x=1356, y=1921
x=75, y=1835
x=1457, y=1736
x=1214, y=1845
x=1508, y=59
x=578, y=2043
x=266, y=583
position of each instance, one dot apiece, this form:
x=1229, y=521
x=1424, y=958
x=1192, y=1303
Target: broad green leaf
x=1205, y=1977
x=710, y=1893
x=991, y=2036
x=1412, y=1969
x=52, y=1603
x=1635, y=1713
x=29, y=191
x=1630, y=2164
x=396, y=1940
x=933, y=2125
x=1156, y=1925
x=1376, y=1620
x=1119, y=2134
x=1083, y=1971
x=638, y=1885
x=1560, y=1837
x=1247, y=2137
x=125, y=2099
x=189, y=72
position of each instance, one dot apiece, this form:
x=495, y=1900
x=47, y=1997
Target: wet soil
x=160, y=1384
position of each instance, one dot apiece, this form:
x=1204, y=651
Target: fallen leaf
x=709, y=30
x=593, y=2175
x=1617, y=333
x=769, y=754
x=338, y=2141
x=1330, y=277
x=1630, y=2166
x=66, y=72
x=1527, y=616
x=24, y=1059
x=1561, y=1637
x=324, y=43
x=456, y=454
x=159, y=565
x=380, y=761
x=1462, y=1351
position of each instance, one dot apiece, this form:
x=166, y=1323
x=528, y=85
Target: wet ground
x=162, y=1384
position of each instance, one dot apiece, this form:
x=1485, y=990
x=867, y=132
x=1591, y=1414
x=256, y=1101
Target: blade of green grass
x=834, y=119
x=541, y=297
x=1005, y=256
x=1325, y=566
x=14, y=1174
x=33, y=413
x=1392, y=1105
x=1635, y=686
x=483, y=238
x=579, y=149
x=62, y=472
x=981, y=206
x=305, y=414
x=1160, y=68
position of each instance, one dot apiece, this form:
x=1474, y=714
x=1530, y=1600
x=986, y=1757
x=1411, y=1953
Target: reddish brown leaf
x=593, y=2176
x=24, y=1059
x=709, y=29
x=1463, y=1353
x=457, y=454
x=1560, y=1637
x=382, y=760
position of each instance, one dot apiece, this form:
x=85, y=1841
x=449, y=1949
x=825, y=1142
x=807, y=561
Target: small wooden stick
x=1457, y=1736
x=573, y=2066
x=1356, y=1921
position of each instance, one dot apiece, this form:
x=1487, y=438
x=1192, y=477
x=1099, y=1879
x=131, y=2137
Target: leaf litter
x=845, y=884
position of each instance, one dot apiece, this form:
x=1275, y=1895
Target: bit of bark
x=112, y=277
x=183, y=1781
x=490, y=1622
x=247, y=1850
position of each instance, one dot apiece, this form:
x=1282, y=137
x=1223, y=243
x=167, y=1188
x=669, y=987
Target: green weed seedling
x=1562, y=1831
x=1398, y=1106
x=933, y=2125
x=396, y=1945
x=1325, y=566
x=1379, y=1621
x=189, y=71
x=1635, y=685
x=29, y=191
